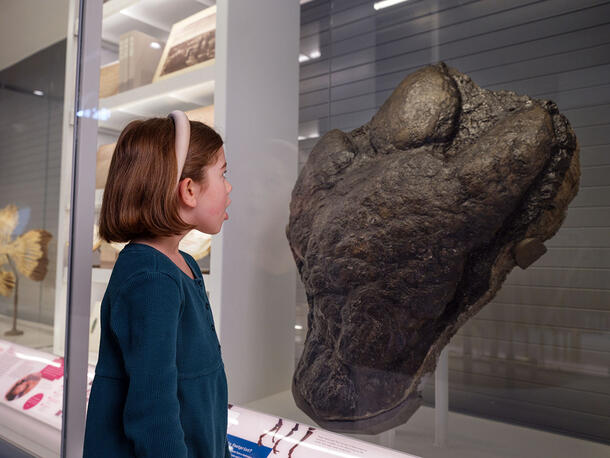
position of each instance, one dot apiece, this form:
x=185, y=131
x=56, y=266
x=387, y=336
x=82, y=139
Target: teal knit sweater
x=160, y=388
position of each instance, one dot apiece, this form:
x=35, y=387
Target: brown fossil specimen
x=406, y=227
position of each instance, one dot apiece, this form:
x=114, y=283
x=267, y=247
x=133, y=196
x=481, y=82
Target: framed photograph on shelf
x=190, y=45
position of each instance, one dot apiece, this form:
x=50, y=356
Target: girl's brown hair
x=140, y=198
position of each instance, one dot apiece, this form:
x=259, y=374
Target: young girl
x=160, y=388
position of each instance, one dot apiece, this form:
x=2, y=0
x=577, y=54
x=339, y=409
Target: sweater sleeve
x=144, y=318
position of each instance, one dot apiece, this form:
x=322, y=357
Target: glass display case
x=526, y=376
x=202, y=70
x=537, y=355
x=36, y=93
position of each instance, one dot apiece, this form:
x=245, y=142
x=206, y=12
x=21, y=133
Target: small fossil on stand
x=404, y=228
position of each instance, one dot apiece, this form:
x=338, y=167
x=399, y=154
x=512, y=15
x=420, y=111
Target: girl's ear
x=187, y=192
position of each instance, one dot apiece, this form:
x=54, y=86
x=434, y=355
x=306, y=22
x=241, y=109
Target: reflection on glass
x=537, y=354
x=21, y=255
x=35, y=145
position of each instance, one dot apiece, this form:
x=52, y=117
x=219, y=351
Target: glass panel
x=36, y=95
x=157, y=56
x=538, y=353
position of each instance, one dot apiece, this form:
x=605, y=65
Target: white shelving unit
x=185, y=91
x=153, y=17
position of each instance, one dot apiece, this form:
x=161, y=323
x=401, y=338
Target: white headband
x=183, y=135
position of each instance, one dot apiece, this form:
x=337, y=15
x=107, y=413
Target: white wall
x=256, y=103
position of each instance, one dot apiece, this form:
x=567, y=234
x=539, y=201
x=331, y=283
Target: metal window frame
x=81, y=223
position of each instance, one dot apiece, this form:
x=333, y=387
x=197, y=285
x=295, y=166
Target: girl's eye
x=224, y=174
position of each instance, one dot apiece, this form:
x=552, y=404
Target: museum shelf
x=114, y=7
x=153, y=17
x=186, y=91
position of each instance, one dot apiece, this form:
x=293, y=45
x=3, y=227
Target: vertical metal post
x=441, y=399
x=388, y=438
x=81, y=224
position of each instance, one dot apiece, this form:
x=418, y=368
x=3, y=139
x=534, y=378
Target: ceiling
x=29, y=26
x=32, y=25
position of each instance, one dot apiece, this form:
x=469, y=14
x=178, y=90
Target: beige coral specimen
x=27, y=253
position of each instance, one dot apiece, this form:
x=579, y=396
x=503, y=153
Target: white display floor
x=468, y=437
x=35, y=335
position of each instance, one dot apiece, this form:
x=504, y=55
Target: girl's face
x=213, y=197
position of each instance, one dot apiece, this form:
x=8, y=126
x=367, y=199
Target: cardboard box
x=109, y=79
x=139, y=56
